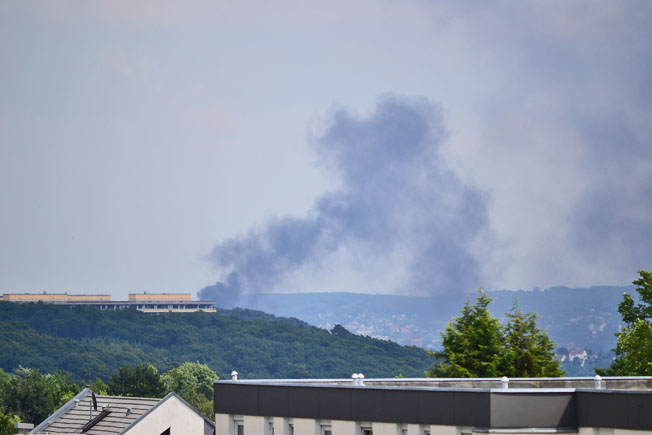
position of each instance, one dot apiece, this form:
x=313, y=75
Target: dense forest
x=88, y=343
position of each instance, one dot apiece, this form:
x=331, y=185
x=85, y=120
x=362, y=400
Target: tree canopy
x=472, y=343
x=194, y=382
x=29, y=395
x=88, y=342
x=477, y=345
x=528, y=349
x=634, y=347
x=143, y=380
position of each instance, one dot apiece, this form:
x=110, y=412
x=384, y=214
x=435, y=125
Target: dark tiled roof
x=73, y=416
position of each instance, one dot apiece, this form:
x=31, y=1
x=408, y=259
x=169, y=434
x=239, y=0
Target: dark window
x=239, y=427
x=367, y=431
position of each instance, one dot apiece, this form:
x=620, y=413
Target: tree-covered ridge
x=87, y=342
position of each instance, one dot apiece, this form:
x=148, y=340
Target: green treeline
x=87, y=343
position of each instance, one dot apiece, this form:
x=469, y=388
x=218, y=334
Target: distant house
x=100, y=415
x=578, y=354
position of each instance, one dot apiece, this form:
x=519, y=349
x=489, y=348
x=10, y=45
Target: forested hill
x=87, y=342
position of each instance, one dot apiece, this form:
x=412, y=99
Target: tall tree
x=140, y=381
x=476, y=345
x=528, y=349
x=194, y=382
x=7, y=423
x=634, y=347
x=28, y=395
x=472, y=343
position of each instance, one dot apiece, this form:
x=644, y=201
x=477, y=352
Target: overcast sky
x=408, y=147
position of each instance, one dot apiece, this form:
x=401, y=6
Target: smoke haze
x=399, y=209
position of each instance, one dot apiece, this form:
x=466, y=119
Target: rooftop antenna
x=92, y=404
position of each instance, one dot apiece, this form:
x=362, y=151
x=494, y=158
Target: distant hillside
x=87, y=342
x=581, y=318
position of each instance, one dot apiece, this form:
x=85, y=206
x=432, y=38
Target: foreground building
x=586, y=406
x=145, y=302
x=102, y=415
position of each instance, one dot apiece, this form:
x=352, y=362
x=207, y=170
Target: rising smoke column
x=398, y=200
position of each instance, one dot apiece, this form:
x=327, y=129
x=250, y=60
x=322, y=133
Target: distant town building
x=578, y=354
x=145, y=302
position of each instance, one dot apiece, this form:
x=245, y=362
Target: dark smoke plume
x=398, y=198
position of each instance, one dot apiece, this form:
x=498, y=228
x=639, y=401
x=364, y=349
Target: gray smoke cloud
x=398, y=200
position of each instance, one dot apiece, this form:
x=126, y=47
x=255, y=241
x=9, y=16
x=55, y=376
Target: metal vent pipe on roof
x=597, y=381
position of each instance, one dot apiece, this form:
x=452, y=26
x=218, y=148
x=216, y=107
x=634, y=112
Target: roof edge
x=62, y=410
x=160, y=402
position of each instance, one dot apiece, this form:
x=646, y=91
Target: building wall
x=144, y=297
x=147, y=302
x=253, y=425
x=609, y=431
x=54, y=297
x=181, y=309
x=172, y=414
x=226, y=424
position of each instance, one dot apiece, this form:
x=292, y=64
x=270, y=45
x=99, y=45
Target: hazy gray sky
x=378, y=146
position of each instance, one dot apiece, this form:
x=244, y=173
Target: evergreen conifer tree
x=634, y=347
x=528, y=349
x=477, y=345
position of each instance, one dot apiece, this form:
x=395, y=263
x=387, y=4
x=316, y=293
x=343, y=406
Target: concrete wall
x=172, y=413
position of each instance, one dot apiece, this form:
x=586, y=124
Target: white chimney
x=24, y=427
x=234, y=375
x=354, y=379
x=597, y=380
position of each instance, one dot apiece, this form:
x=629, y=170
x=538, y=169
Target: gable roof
x=125, y=412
